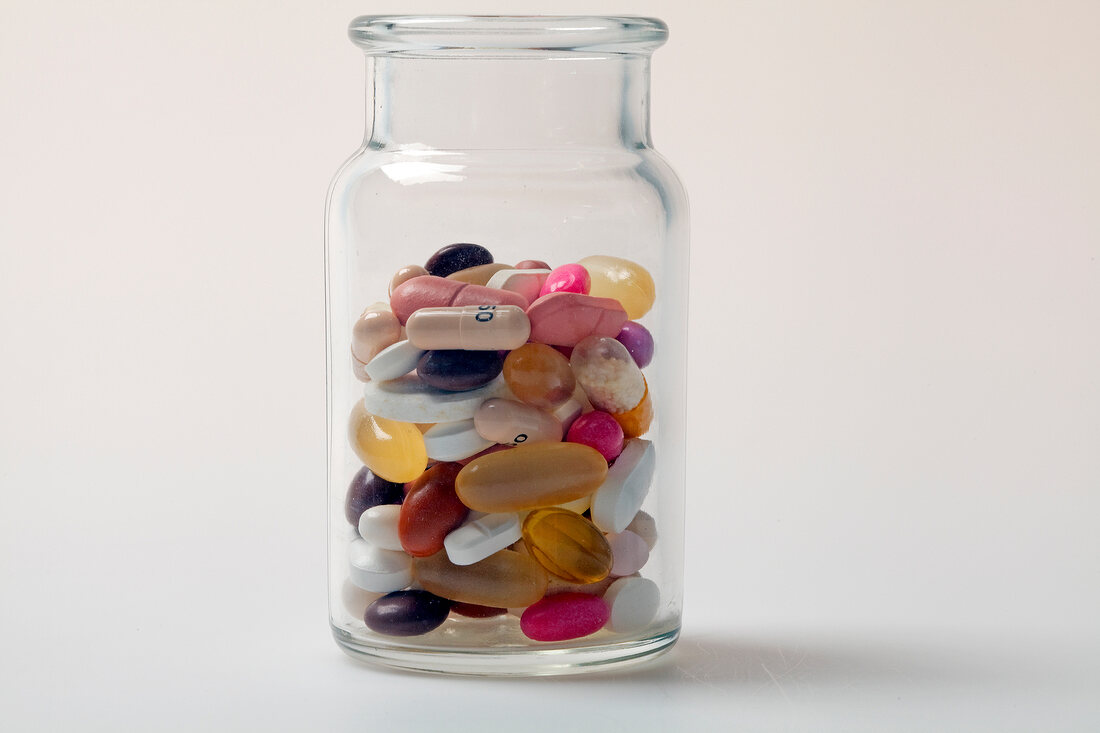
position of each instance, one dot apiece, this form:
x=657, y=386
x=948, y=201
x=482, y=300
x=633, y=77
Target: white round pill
x=378, y=526
x=633, y=602
x=382, y=571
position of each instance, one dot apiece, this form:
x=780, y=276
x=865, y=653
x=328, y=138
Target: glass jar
x=507, y=308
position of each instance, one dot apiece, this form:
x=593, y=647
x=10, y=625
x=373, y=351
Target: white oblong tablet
x=394, y=361
x=408, y=399
x=453, y=441
x=526, y=283
x=374, y=569
x=621, y=495
x=481, y=536
x=633, y=602
x=378, y=526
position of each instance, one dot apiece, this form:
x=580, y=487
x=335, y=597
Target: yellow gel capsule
x=393, y=450
x=625, y=281
x=530, y=476
x=567, y=545
x=505, y=579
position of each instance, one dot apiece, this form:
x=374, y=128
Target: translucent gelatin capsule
x=503, y=580
x=530, y=476
x=539, y=375
x=470, y=327
x=393, y=450
x=625, y=281
x=608, y=374
x=514, y=423
x=567, y=545
x=636, y=421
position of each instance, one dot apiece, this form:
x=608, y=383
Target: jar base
x=509, y=662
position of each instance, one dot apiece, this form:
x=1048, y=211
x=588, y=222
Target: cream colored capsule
x=513, y=423
x=469, y=327
x=373, y=331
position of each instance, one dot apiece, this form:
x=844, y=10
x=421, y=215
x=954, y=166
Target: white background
x=895, y=371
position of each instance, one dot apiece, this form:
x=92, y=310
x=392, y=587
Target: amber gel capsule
x=530, y=476
x=469, y=327
x=567, y=545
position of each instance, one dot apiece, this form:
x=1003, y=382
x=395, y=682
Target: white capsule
x=394, y=361
x=453, y=441
x=481, y=536
x=378, y=526
x=620, y=496
x=374, y=569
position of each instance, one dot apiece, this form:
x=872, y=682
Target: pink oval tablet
x=567, y=279
x=629, y=551
x=564, y=616
x=429, y=291
x=598, y=430
x=563, y=319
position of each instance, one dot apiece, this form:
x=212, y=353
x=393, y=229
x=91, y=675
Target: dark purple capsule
x=457, y=371
x=455, y=257
x=407, y=613
x=367, y=490
x=638, y=341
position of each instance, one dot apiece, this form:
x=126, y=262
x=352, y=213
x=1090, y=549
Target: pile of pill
x=501, y=435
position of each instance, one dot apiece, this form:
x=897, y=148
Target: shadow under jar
x=507, y=309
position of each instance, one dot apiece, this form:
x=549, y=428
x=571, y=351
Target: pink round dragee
x=630, y=553
x=564, y=616
x=598, y=430
x=567, y=279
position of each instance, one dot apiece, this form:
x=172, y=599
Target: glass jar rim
x=473, y=34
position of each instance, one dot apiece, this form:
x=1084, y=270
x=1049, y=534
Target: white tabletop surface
x=894, y=488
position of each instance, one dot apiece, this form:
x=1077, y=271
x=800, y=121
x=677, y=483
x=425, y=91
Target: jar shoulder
x=409, y=172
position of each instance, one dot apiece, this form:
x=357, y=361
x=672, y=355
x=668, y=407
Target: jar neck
x=465, y=102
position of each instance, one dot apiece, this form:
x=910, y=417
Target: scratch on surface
x=781, y=690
